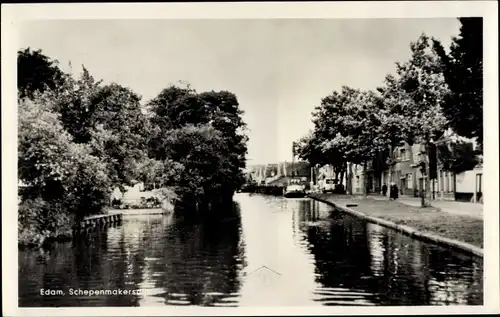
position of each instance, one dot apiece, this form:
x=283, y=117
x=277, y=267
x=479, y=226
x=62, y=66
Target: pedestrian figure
x=393, y=191
x=384, y=189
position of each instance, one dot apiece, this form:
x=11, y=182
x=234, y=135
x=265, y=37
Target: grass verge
x=430, y=219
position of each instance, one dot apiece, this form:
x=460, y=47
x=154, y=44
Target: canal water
x=274, y=251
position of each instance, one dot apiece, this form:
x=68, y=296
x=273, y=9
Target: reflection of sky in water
x=375, y=236
x=293, y=252
x=272, y=243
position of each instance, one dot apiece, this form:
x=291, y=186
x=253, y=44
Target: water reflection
x=273, y=251
x=383, y=267
x=172, y=261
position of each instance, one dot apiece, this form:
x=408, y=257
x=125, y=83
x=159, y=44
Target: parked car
x=328, y=185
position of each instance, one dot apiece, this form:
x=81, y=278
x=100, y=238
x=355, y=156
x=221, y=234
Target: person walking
x=393, y=194
x=384, y=189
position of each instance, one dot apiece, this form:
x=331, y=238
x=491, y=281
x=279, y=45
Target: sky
x=279, y=69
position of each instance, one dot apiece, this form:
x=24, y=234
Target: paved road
x=452, y=207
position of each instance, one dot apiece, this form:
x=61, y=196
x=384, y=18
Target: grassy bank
x=427, y=220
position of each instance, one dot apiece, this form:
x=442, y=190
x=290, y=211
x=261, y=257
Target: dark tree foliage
x=76, y=102
x=464, y=76
x=80, y=139
x=182, y=118
x=36, y=72
x=456, y=157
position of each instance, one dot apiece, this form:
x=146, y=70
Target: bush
x=39, y=221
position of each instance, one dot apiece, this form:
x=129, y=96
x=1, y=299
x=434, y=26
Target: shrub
x=38, y=221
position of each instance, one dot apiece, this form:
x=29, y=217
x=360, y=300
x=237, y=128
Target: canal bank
x=88, y=223
x=456, y=232
x=338, y=259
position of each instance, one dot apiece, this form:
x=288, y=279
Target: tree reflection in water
x=173, y=261
x=334, y=259
x=361, y=262
x=202, y=262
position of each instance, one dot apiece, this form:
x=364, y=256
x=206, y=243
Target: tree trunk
x=349, y=179
x=427, y=192
x=365, y=179
x=388, y=181
x=454, y=186
x=342, y=172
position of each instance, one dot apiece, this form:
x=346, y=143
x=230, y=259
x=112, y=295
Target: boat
x=294, y=191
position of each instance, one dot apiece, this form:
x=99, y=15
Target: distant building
x=409, y=179
x=270, y=173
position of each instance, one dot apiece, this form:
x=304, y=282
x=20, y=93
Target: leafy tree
x=328, y=125
x=202, y=152
x=43, y=148
x=416, y=96
x=457, y=156
x=463, y=72
x=119, y=131
x=36, y=72
x=158, y=173
x=361, y=140
x=64, y=182
x=176, y=108
x=75, y=101
x=225, y=116
x=108, y=118
x=308, y=148
x=169, y=111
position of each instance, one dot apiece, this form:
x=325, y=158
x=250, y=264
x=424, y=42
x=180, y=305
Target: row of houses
x=276, y=172
x=407, y=175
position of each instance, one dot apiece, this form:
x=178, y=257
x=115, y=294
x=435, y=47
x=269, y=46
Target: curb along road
x=458, y=245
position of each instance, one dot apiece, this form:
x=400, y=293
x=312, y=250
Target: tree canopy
x=79, y=139
x=463, y=73
x=36, y=72
x=413, y=105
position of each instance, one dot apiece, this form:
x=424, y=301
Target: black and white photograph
x=330, y=159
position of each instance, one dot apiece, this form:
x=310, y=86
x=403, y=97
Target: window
x=409, y=179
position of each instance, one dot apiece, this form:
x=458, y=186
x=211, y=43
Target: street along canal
x=275, y=251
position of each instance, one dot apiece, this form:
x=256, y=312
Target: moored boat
x=294, y=191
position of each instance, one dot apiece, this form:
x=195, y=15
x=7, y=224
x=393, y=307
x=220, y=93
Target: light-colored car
x=294, y=190
x=328, y=185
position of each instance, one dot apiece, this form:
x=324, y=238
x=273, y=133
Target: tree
x=463, y=72
x=394, y=128
x=64, y=182
x=308, y=148
x=328, y=125
x=119, y=131
x=75, y=101
x=416, y=96
x=179, y=115
x=225, y=115
x=171, y=110
x=36, y=73
x=43, y=148
x=201, y=151
x=362, y=139
x=109, y=118
x=456, y=156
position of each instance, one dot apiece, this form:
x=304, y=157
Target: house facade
x=465, y=186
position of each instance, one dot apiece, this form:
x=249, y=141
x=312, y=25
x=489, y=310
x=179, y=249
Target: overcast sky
x=279, y=69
